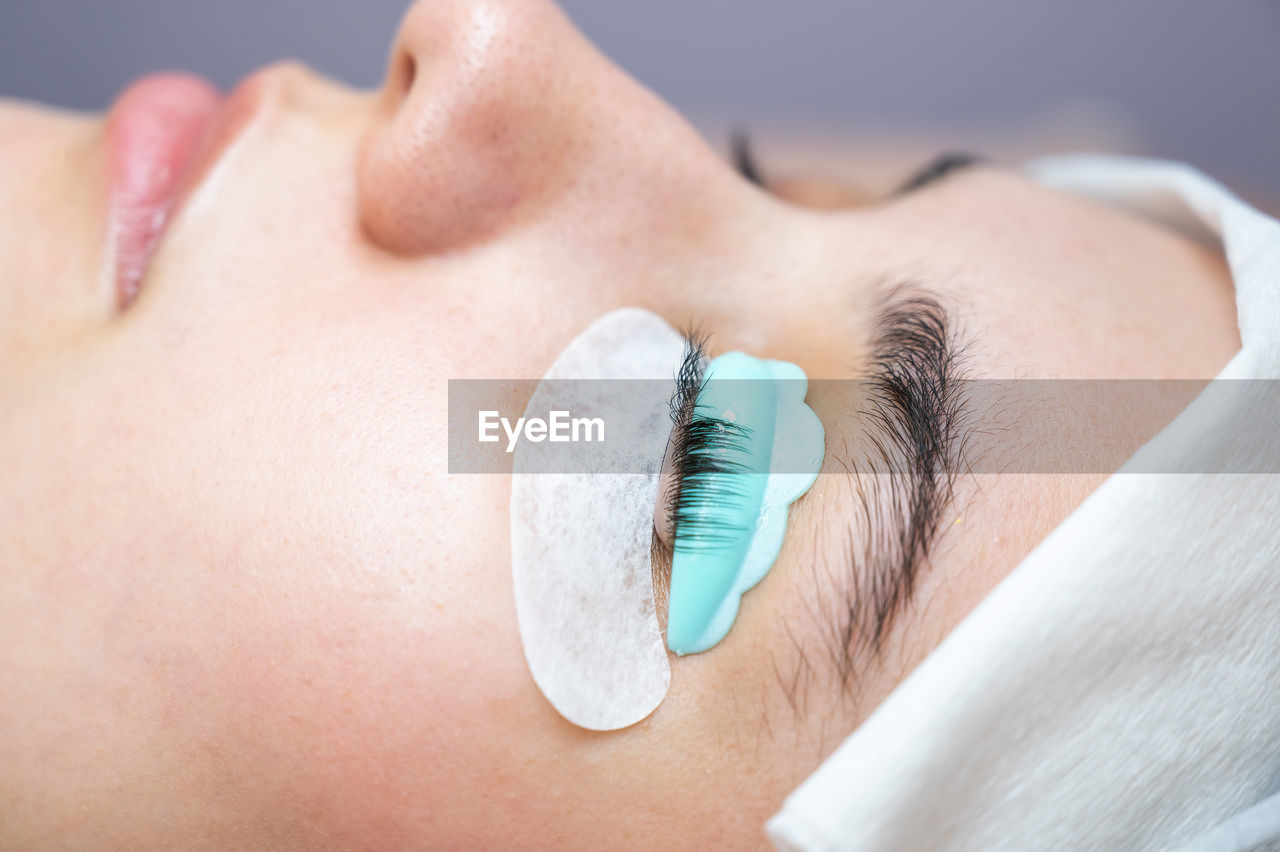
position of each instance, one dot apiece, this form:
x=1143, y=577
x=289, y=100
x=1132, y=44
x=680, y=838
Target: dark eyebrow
x=916, y=416
x=944, y=164
x=913, y=420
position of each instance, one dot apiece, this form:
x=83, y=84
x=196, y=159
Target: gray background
x=1192, y=79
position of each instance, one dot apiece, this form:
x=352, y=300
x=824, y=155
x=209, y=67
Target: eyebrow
x=913, y=421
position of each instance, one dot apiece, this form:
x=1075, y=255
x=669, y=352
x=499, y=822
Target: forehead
x=1047, y=284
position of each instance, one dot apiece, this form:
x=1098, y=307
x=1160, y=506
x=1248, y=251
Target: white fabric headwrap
x=1120, y=689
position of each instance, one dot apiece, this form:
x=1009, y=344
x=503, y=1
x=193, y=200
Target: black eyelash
x=744, y=159
x=699, y=445
x=938, y=168
x=689, y=376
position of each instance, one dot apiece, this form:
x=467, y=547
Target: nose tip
x=475, y=126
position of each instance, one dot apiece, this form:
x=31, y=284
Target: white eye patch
x=580, y=542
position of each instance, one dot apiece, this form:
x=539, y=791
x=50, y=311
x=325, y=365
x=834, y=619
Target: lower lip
x=155, y=132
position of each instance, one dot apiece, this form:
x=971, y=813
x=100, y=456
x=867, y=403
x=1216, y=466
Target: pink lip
x=163, y=135
x=153, y=133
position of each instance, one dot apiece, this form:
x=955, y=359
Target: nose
x=476, y=124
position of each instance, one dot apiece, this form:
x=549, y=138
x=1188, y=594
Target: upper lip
x=163, y=136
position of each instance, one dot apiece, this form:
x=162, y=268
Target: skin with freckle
x=242, y=602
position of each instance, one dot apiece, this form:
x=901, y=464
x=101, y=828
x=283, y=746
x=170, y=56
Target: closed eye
x=746, y=164
x=744, y=160
x=939, y=167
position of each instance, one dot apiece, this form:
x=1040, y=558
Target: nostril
x=402, y=76
x=484, y=137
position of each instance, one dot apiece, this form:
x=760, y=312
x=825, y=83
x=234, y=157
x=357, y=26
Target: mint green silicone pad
x=741, y=516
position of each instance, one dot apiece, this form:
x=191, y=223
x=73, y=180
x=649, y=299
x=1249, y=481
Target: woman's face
x=243, y=602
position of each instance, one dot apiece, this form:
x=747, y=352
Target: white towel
x=1120, y=689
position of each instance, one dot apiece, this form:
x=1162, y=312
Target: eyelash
x=746, y=164
x=937, y=168
x=744, y=159
x=698, y=445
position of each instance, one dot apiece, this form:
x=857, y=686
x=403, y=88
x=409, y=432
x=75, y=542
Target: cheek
x=330, y=644
x=377, y=691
